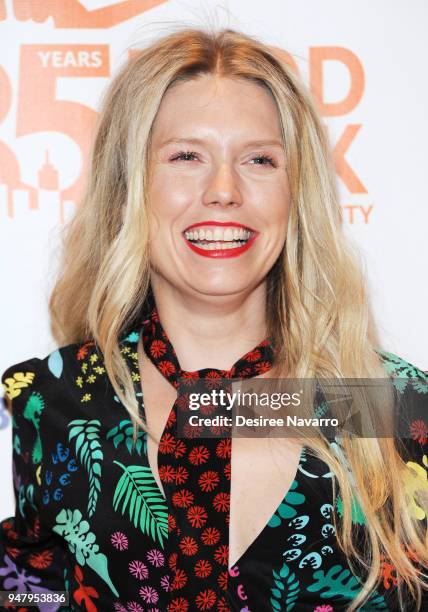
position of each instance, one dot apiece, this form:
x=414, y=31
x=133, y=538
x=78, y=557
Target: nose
x=222, y=189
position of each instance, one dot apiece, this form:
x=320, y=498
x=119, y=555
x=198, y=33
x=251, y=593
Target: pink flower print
x=138, y=569
x=118, y=607
x=324, y=608
x=155, y=557
x=165, y=583
x=149, y=594
x=134, y=606
x=119, y=540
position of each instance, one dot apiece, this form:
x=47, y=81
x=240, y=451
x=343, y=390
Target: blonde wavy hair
x=318, y=309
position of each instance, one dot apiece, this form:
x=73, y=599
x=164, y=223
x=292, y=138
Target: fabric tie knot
x=195, y=470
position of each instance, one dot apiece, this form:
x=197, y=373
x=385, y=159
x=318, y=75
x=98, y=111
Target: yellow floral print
x=12, y=386
x=417, y=482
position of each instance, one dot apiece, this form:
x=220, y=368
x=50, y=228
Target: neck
x=211, y=332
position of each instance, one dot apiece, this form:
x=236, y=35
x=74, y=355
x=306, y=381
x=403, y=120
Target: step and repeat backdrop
x=365, y=65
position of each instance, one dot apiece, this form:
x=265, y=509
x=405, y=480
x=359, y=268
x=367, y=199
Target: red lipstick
x=228, y=252
x=221, y=224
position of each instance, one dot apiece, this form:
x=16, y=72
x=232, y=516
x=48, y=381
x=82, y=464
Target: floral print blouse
x=91, y=520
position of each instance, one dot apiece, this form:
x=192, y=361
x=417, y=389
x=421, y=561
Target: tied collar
x=161, y=353
x=195, y=473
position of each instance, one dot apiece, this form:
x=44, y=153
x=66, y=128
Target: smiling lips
x=217, y=239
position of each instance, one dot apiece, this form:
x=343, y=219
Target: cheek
x=165, y=211
x=275, y=214
x=168, y=200
x=280, y=208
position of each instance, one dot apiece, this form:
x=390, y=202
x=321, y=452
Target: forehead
x=212, y=102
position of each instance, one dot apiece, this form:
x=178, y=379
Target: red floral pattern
x=197, y=468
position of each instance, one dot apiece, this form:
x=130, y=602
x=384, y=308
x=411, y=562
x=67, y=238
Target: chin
x=226, y=289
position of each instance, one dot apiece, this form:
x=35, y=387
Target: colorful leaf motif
x=286, y=509
x=88, y=450
x=141, y=497
x=402, y=370
x=34, y=408
x=55, y=363
x=13, y=385
x=26, y=497
x=357, y=514
x=32, y=412
x=132, y=337
x=416, y=483
x=123, y=433
x=338, y=582
x=286, y=589
x=82, y=544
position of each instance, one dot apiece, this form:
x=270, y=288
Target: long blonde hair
x=318, y=309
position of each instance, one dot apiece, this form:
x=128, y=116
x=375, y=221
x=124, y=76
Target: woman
x=208, y=246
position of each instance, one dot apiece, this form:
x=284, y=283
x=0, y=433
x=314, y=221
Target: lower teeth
x=211, y=246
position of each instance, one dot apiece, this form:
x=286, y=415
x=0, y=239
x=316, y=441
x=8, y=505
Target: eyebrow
x=200, y=141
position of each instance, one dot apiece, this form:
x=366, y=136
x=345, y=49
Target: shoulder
x=62, y=371
x=411, y=383
x=396, y=366
x=411, y=386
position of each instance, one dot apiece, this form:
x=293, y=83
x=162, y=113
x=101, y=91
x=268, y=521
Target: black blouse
x=90, y=518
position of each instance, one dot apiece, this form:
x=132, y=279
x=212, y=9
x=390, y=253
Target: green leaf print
x=321, y=410
x=376, y=602
x=286, y=589
x=81, y=542
x=123, y=433
x=286, y=510
x=32, y=412
x=398, y=367
x=17, y=444
x=357, y=515
x=141, y=497
x=26, y=497
x=88, y=449
x=338, y=582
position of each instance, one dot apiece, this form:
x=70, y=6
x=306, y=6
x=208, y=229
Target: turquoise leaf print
x=357, y=515
x=286, y=589
x=88, y=449
x=321, y=410
x=82, y=544
x=286, y=509
x=124, y=433
x=32, y=412
x=339, y=582
x=376, y=602
x=398, y=367
x=55, y=363
x=142, y=499
x=17, y=444
x=26, y=496
x=312, y=559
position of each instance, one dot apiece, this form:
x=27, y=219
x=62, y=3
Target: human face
x=216, y=156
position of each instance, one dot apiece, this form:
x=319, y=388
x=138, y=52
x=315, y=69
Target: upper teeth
x=218, y=233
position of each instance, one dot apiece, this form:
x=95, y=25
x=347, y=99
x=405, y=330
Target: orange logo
x=318, y=57
x=40, y=110
x=72, y=14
